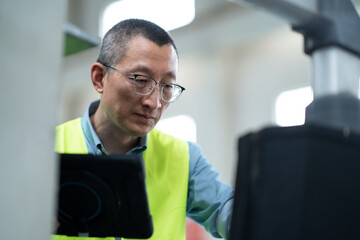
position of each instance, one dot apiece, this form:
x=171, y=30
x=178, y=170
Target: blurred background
x=243, y=70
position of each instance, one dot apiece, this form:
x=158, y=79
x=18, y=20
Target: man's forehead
x=141, y=49
x=140, y=40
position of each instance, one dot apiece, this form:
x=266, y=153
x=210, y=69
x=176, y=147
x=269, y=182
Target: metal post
x=335, y=71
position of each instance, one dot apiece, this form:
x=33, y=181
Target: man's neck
x=112, y=138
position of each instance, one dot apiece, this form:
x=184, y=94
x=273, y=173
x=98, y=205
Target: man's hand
x=57, y=225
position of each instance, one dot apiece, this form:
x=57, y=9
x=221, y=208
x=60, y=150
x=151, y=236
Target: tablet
x=103, y=196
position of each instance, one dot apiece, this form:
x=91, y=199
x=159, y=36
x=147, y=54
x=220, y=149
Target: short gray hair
x=116, y=40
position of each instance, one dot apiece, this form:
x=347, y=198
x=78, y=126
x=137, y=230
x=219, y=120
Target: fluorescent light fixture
x=168, y=14
x=290, y=106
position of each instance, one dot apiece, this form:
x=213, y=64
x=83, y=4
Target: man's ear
x=98, y=72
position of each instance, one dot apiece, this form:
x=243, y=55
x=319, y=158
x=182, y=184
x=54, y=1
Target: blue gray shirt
x=209, y=200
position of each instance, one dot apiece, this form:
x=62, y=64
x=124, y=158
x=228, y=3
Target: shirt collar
x=92, y=140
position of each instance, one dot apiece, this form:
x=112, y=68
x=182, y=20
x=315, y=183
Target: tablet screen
x=103, y=196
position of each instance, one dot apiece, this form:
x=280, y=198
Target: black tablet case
x=101, y=196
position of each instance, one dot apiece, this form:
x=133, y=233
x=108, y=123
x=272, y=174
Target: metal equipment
x=303, y=182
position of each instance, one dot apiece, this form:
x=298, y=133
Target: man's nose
x=153, y=100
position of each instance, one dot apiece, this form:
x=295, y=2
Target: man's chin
x=139, y=129
x=141, y=132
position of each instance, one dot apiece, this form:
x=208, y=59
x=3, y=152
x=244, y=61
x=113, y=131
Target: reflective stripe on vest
x=167, y=171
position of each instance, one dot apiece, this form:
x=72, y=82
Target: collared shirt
x=209, y=200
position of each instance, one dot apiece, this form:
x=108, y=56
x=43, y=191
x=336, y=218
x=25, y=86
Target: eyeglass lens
x=144, y=85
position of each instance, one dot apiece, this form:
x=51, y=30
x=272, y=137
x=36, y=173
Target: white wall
x=30, y=59
x=76, y=87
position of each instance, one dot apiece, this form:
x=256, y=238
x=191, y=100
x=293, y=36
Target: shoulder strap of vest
x=69, y=138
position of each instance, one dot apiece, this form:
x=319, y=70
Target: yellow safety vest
x=167, y=171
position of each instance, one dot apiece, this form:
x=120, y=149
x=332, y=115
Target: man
x=136, y=77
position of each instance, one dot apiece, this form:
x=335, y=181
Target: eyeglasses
x=144, y=85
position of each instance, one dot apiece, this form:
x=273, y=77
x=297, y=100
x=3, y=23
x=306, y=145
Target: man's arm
x=209, y=200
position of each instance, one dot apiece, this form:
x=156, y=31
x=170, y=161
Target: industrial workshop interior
x=272, y=98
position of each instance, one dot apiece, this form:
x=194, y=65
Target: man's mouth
x=145, y=117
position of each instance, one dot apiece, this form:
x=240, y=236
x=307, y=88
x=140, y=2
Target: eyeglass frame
x=156, y=83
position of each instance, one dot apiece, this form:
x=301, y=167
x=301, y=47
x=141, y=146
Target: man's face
x=130, y=112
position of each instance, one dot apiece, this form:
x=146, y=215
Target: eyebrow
x=140, y=68
x=148, y=72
